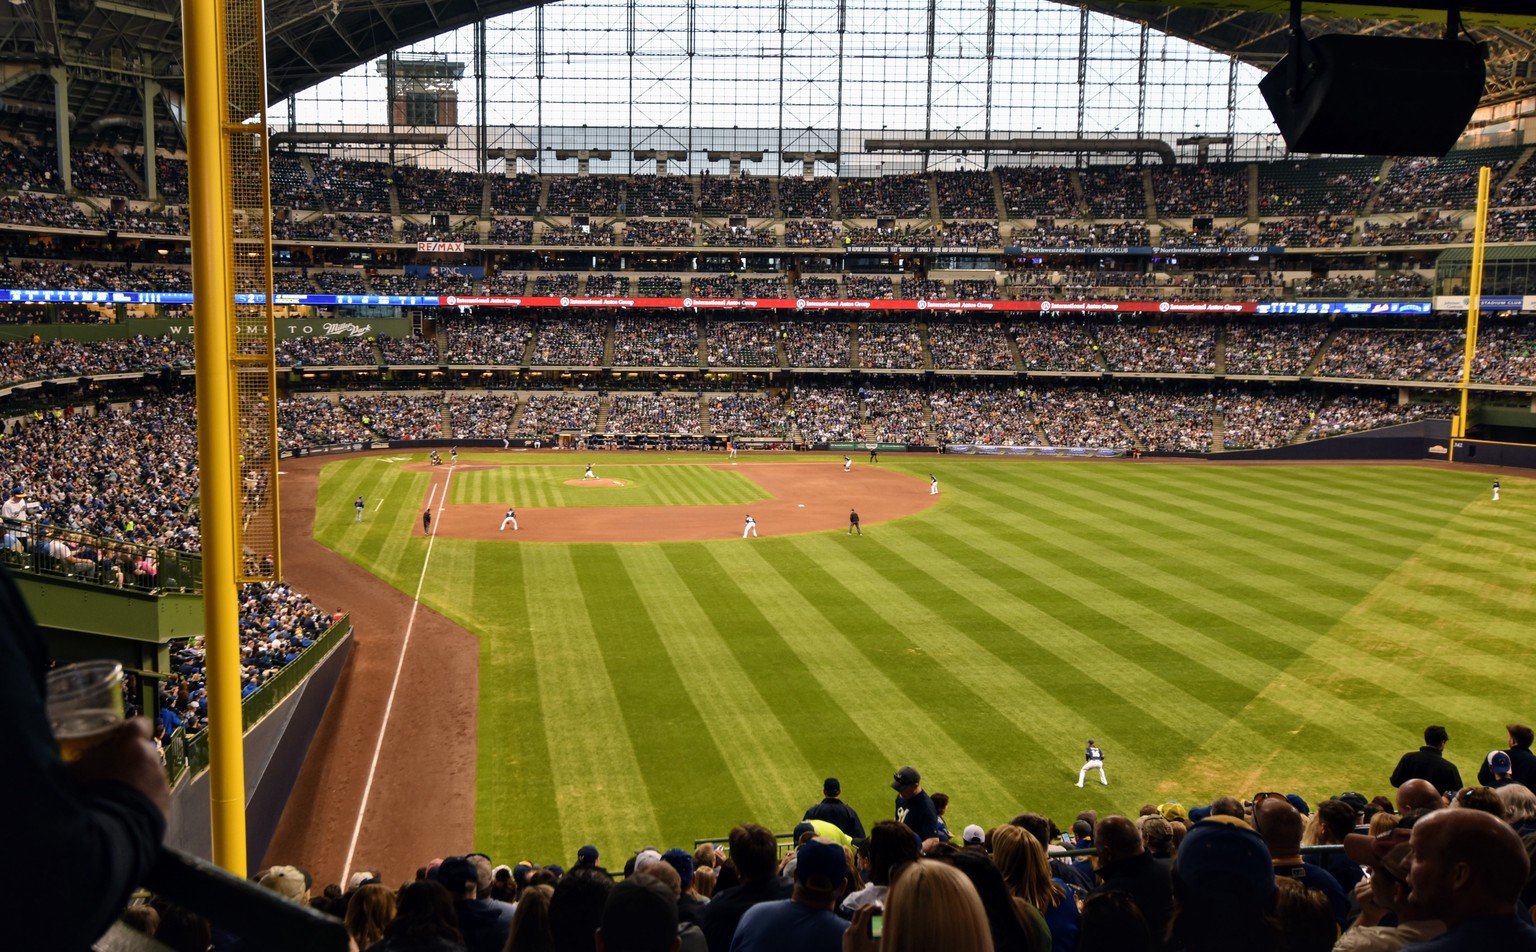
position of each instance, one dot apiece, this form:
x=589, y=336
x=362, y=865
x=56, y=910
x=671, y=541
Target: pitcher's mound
x=594, y=482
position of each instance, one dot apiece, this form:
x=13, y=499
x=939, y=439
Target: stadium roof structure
x=110, y=49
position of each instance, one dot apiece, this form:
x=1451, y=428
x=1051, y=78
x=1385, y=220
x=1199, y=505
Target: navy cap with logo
x=905, y=777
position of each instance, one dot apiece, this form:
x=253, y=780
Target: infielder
x=751, y=527
x=847, y=463
x=1093, y=758
x=360, y=507
x=933, y=485
x=510, y=517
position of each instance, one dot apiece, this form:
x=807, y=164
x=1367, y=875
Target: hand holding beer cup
x=85, y=709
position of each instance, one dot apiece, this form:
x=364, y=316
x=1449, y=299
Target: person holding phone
x=932, y=905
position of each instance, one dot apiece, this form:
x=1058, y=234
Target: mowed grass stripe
x=743, y=722
x=864, y=659
x=516, y=793
x=805, y=697
x=595, y=769
x=656, y=484
x=1115, y=598
x=1008, y=641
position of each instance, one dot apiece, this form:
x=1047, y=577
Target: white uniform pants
x=1092, y=765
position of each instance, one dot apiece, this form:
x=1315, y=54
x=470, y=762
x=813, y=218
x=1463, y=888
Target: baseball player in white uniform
x=589, y=474
x=751, y=527
x=847, y=463
x=933, y=485
x=510, y=517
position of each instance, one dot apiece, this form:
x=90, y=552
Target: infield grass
x=1218, y=630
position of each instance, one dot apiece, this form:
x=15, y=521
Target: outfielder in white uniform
x=751, y=527
x=1495, y=490
x=1093, y=758
x=510, y=517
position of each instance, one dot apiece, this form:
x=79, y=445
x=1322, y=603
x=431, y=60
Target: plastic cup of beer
x=85, y=704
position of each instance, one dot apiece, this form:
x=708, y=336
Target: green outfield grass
x=1219, y=630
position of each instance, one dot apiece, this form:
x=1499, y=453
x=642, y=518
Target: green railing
x=271, y=694
x=33, y=548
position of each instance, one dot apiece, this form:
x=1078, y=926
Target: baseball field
x=647, y=676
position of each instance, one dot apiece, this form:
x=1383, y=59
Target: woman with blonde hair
x=1022, y=861
x=368, y=911
x=931, y=905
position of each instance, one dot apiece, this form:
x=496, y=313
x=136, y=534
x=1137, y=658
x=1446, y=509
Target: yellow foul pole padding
x=1474, y=302
x=203, y=42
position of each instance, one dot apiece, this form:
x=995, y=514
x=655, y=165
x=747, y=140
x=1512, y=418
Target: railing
x=40, y=549
x=269, y=695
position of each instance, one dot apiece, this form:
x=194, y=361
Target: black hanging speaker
x=1375, y=95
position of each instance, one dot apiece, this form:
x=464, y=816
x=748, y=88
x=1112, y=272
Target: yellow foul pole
x=203, y=39
x=1474, y=302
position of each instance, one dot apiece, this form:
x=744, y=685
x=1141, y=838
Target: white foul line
x=389, y=705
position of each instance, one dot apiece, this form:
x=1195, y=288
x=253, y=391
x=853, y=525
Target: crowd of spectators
x=355, y=228
x=304, y=420
x=660, y=196
x=741, y=344
x=318, y=351
x=654, y=413
x=1506, y=355
x=607, y=285
x=1390, y=285
x=1114, y=192
x=45, y=210
x=894, y=413
x=1388, y=354
x=966, y=194
x=771, y=288
x=1275, y=350
x=511, y=231
x=545, y=414
x=1260, y=421
x=1165, y=421
x=1183, y=348
x=595, y=194
x=825, y=414
x=748, y=195
x=507, y=283
x=980, y=415
x=481, y=416
x=1511, y=225
x=1351, y=413
x=659, y=285
x=1214, y=237
x=398, y=416
x=1316, y=186
x=748, y=415
x=715, y=286
x=1087, y=417
x=739, y=236
x=667, y=233
x=1185, y=190
x=569, y=342
x=1422, y=229
x=975, y=289
x=494, y=339
x=1424, y=183
x=966, y=345
x=39, y=358
x=515, y=194
x=347, y=185
x=578, y=235
x=562, y=284
x=967, y=234
x=424, y=190
x=801, y=198
x=811, y=233
x=1058, y=345
x=813, y=287
x=1321, y=231
x=868, y=287
x=925, y=289
x=885, y=345
x=650, y=340
x=900, y=196
x=1030, y=191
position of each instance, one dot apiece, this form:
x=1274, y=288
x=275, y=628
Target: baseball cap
x=1388, y=852
x=1295, y=800
x=801, y=828
x=905, y=777
x=821, y=865
x=973, y=834
x=587, y=855
x=646, y=857
x=1224, y=855
x=456, y=872
x=1499, y=761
